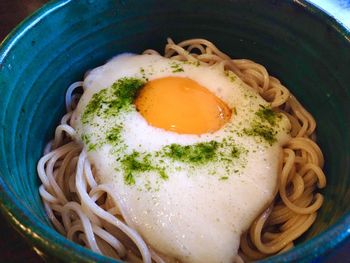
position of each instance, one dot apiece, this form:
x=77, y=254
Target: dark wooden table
x=13, y=248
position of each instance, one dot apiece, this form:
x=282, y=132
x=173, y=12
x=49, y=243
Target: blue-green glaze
x=299, y=44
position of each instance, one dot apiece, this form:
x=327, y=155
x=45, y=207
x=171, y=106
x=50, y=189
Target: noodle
x=92, y=215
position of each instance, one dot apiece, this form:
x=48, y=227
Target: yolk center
x=181, y=105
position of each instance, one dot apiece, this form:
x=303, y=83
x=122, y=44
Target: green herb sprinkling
x=143, y=73
x=267, y=114
x=113, y=135
x=258, y=129
x=176, y=68
x=126, y=89
x=197, y=153
x=234, y=111
x=129, y=179
x=135, y=163
x=131, y=164
x=110, y=101
x=223, y=178
x=85, y=138
x=162, y=174
x=194, y=63
x=94, y=105
x=92, y=147
x=230, y=75
x=235, y=152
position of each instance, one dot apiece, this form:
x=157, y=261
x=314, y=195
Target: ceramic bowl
x=299, y=44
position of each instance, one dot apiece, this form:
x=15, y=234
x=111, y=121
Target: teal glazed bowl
x=302, y=46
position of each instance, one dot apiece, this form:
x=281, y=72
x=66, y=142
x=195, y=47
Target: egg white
x=199, y=212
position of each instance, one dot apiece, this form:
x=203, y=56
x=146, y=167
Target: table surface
x=14, y=248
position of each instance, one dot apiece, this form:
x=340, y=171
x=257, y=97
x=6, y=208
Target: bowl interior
x=301, y=46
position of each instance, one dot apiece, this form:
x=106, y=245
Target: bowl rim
x=46, y=238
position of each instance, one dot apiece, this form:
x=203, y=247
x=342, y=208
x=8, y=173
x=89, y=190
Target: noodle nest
x=90, y=214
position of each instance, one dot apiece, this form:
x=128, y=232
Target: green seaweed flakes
x=126, y=89
x=113, y=136
x=176, y=67
x=136, y=163
x=263, y=131
x=87, y=140
x=198, y=153
x=110, y=101
x=267, y=114
x=94, y=105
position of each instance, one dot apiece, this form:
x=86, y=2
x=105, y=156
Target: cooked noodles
x=90, y=213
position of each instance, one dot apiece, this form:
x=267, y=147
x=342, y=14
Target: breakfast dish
x=188, y=157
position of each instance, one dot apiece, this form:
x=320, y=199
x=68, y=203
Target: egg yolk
x=181, y=105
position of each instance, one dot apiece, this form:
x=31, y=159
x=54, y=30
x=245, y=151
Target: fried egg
x=192, y=152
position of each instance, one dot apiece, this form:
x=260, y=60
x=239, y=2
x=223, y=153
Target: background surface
x=12, y=12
